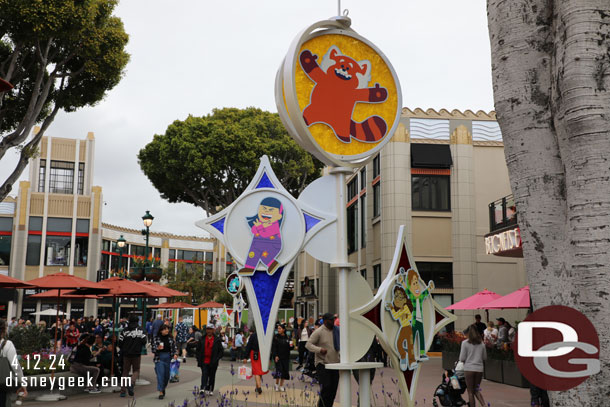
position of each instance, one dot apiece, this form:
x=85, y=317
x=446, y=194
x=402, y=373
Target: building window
x=209, y=257
x=377, y=199
x=61, y=180
x=363, y=273
x=32, y=257
x=352, y=228
x=440, y=273
x=41, y=175
x=172, y=254
x=376, y=166
x=430, y=193
x=363, y=221
x=363, y=178
x=57, y=250
x=82, y=226
x=352, y=189
x=81, y=244
x=35, y=223
x=62, y=225
x=6, y=230
x=376, y=275
x=106, y=245
x=81, y=178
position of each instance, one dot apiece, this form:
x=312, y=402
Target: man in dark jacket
x=209, y=353
x=131, y=341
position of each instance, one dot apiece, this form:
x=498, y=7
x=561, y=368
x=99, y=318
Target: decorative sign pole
x=339, y=97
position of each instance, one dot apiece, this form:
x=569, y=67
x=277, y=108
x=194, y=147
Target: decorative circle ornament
x=234, y=284
x=338, y=94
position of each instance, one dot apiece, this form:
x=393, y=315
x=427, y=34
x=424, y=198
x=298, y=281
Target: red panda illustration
x=341, y=82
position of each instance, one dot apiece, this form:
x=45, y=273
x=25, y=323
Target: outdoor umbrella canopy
x=62, y=281
x=516, y=299
x=49, y=312
x=169, y=292
x=210, y=304
x=9, y=282
x=476, y=301
x=69, y=295
x=173, y=305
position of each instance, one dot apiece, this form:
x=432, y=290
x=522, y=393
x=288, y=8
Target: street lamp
x=121, y=244
x=148, y=220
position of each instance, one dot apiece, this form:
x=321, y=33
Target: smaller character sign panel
x=405, y=303
x=260, y=224
x=234, y=285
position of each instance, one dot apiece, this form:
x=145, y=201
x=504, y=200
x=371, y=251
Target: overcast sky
x=190, y=56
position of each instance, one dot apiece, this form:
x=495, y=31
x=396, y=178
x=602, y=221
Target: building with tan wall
x=437, y=176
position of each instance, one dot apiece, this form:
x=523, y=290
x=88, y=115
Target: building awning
x=430, y=156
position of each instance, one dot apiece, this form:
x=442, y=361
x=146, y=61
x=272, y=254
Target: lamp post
x=148, y=220
x=121, y=244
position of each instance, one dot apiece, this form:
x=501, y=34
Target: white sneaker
x=94, y=390
x=210, y=392
x=276, y=387
x=282, y=388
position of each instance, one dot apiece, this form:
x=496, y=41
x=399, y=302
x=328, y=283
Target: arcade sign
x=504, y=243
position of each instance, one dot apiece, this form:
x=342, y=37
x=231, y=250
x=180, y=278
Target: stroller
x=447, y=394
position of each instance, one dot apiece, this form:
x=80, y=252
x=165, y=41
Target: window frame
x=438, y=205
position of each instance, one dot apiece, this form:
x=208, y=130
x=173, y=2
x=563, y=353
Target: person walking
x=238, y=343
x=472, y=354
x=156, y=325
x=131, y=342
x=8, y=351
x=280, y=353
x=252, y=351
x=181, y=334
x=302, y=336
x=209, y=352
x=321, y=343
x=164, y=348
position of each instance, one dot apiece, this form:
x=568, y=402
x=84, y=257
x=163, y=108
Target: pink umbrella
x=476, y=301
x=517, y=299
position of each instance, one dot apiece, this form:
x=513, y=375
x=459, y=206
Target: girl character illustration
x=401, y=310
x=417, y=297
x=267, y=241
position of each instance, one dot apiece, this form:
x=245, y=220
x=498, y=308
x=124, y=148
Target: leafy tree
x=551, y=78
x=208, y=161
x=59, y=55
x=194, y=280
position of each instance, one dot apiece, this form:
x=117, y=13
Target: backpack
x=5, y=366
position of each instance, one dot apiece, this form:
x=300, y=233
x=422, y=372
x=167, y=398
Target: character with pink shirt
x=267, y=239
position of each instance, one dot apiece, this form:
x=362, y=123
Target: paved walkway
x=300, y=390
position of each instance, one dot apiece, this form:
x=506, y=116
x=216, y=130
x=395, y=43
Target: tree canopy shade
x=551, y=79
x=208, y=161
x=59, y=55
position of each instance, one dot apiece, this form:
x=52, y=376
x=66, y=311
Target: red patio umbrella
x=172, y=305
x=516, y=299
x=9, y=282
x=210, y=304
x=170, y=292
x=64, y=281
x=70, y=295
x=476, y=301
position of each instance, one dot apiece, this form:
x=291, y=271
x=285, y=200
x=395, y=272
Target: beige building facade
x=437, y=177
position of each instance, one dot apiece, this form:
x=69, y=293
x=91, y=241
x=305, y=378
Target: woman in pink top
x=267, y=241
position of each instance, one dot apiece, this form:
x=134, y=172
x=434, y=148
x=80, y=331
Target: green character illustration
x=417, y=297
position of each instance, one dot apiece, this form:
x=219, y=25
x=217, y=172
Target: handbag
x=244, y=372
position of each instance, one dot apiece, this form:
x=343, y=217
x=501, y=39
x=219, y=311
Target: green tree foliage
x=208, y=161
x=194, y=280
x=28, y=339
x=59, y=55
